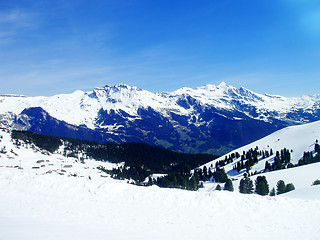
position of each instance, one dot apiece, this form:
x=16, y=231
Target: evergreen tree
x=317, y=147
x=205, y=173
x=262, y=186
x=220, y=175
x=281, y=187
x=150, y=182
x=267, y=166
x=228, y=186
x=238, y=166
x=267, y=154
x=218, y=187
x=193, y=183
x=272, y=192
x=277, y=162
x=246, y=186
x=248, y=166
x=210, y=174
x=290, y=187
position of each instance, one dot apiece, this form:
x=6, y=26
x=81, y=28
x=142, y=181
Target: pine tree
x=290, y=187
x=193, y=183
x=218, y=187
x=205, y=173
x=267, y=154
x=262, y=186
x=238, y=167
x=150, y=182
x=317, y=147
x=220, y=175
x=277, y=162
x=272, y=192
x=246, y=186
x=281, y=187
x=228, y=186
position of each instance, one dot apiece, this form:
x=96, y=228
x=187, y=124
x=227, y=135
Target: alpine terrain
x=65, y=193
x=211, y=119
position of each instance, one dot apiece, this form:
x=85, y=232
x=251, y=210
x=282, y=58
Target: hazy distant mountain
x=211, y=118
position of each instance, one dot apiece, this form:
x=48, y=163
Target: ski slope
x=39, y=204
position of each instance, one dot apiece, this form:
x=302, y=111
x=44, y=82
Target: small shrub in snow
x=272, y=192
x=316, y=182
x=290, y=187
x=283, y=188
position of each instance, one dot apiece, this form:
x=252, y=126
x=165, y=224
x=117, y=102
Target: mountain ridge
x=184, y=120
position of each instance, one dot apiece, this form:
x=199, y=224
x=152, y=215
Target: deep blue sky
x=59, y=46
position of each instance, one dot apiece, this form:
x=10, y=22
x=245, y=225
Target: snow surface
x=44, y=204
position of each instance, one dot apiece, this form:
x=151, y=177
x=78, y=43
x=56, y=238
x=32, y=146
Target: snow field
x=57, y=206
x=35, y=204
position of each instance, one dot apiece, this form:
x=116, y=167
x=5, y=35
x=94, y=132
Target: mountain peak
x=223, y=85
x=117, y=86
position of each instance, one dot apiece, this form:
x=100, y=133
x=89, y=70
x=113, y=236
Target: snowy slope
x=36, y=204
x=298, y=139
x=32, y=160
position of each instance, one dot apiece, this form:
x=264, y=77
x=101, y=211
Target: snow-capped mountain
x=206, y=119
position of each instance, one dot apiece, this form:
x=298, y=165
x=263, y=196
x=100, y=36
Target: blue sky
x=52, y=47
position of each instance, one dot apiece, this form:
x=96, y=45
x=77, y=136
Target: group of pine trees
x=262, y=186
x=248, y=159
x=281, y=161
x=142, y=160
x=309, y=157
x=283, y=188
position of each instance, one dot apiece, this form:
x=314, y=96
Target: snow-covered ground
x=41, y=203
x=58, y=207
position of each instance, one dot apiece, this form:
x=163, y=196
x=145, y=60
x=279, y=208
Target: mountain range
x=212, y=119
